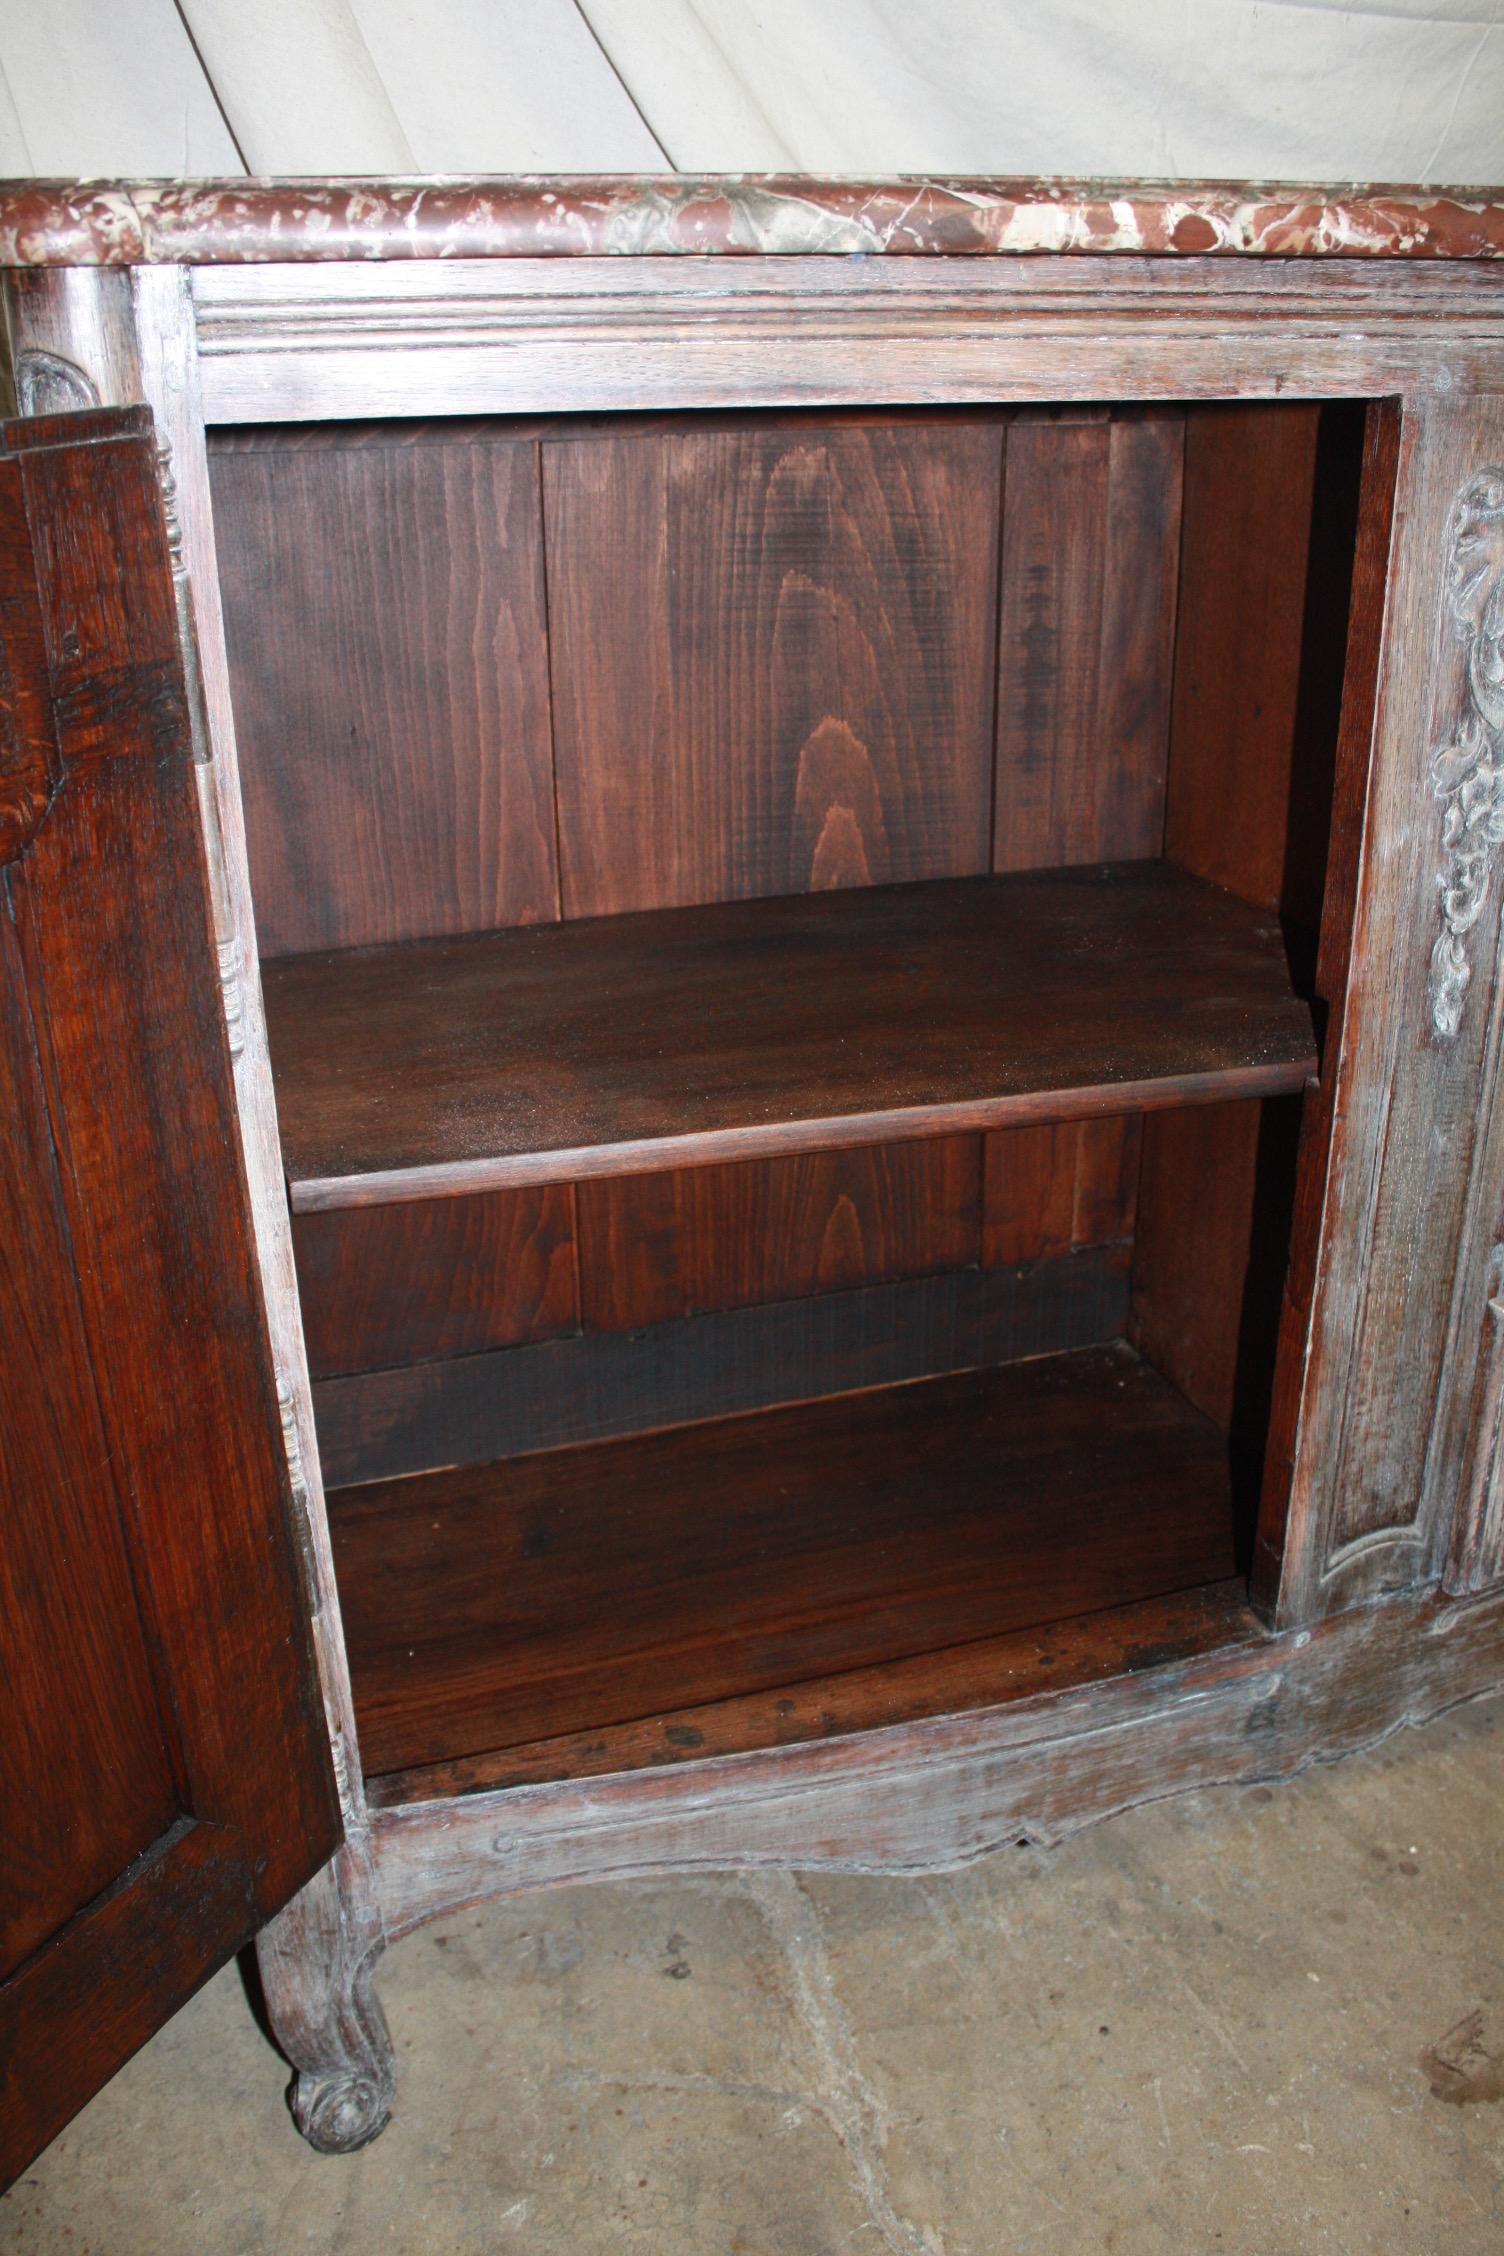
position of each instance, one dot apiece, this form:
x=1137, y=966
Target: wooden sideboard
x=751, y=1012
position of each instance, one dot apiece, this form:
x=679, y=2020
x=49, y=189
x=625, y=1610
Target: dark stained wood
x=149, y=1551
x=384, y=613
x=578, y=1588
x=771, y=653
x=1270, y=512
x=656, y=1247
x=436, y=1277
x=1196, y=1200
x=1250, y=478
x=619, y=1045
x=472, y=1408
x=1021, y=1665
x=1215, y=1203
x=1049, y=1191
x=81, y=1694
x=1091, y=531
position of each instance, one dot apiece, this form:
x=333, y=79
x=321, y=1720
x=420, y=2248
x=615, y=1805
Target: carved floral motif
x=1467, y=771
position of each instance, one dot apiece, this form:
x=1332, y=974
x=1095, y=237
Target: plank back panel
x=771, y=652
x=472, y=1409
x=384, y=612
x=846, y=1532
x=1250, y=486
x=1086, y=630
x=1051, y=1190
x=695, y=1240
x=384, y=1285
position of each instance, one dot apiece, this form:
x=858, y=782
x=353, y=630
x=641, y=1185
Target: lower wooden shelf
x=581, y=1589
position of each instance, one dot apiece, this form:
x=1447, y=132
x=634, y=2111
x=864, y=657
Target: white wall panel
x=1299, y=89
x=92, y=87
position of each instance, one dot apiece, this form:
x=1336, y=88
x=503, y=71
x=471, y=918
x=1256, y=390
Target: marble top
x=226, y=222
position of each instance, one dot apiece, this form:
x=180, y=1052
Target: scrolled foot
x=318, y=1964
x=340, y=2114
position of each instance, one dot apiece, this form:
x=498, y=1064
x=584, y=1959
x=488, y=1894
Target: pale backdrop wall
x=1297, y=89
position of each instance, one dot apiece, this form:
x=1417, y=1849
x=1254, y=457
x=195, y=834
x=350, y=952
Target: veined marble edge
x=144, y=222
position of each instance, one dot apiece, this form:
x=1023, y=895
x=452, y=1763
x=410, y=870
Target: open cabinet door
x=165, y=1775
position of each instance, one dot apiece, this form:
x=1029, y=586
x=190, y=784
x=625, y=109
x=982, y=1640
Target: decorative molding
x=47, y=384
x=214, y=222
x=1480, y=1508
x=170, y=513
x=475, y=336
x=1467, y=770
x=301, y=1504
x=230, y=966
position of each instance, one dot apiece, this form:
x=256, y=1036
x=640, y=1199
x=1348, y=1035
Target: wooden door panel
x=172, y=1780
x=99, y=1725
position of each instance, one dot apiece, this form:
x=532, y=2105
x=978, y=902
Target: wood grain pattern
x=471, y=1409
x=81, y=1688
x=124, y=1081
x=1091, y=535
x=531, y=336
x=1269, y=534
x=1049, y=1191
x=384, y=614
x=934, y=1794
x=402, y=1284
x=573, y=1589
x=615, y=1046
x=1250, y=474
x=657, y=1247
x=771, y=653
x=988, y=1672
x=1210, y=1264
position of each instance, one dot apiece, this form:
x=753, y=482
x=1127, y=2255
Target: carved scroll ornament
x=47, y=384
x=1467, y=770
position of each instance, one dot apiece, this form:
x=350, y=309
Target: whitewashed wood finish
x=927, y=1797
x=1477, y=1559
x=318, y=1963
x=79, y=319
x=1378, y=1455
x=536, y=335
x=1467, y=766
x=169, y=383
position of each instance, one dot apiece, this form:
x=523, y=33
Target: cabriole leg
x=318, y=1963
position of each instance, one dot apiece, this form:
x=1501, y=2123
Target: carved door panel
x=1412, y=1189
x=164, y=1769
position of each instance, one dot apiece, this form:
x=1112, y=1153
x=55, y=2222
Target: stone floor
x=1244, y=2023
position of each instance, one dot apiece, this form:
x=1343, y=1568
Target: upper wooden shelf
x=624, y=1045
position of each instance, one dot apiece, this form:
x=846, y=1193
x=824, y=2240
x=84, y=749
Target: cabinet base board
x=935, y=1794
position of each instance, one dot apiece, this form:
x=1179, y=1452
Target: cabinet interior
x=796, y=948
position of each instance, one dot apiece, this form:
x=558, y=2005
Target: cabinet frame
x=1380, y=1586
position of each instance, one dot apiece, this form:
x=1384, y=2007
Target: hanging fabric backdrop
x=1409, y=90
